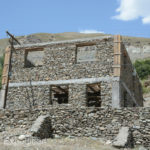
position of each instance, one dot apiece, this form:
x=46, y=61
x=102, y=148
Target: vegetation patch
x=142, y=68
x=143, y=71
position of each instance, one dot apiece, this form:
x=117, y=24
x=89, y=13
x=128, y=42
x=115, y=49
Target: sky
x=125, y=17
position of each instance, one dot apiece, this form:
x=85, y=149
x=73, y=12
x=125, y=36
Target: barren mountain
x=138, y=48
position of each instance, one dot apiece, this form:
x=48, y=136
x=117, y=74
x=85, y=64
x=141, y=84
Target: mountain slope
x=138, y=48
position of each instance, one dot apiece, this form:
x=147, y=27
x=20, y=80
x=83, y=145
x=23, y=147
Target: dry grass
x=3, y=44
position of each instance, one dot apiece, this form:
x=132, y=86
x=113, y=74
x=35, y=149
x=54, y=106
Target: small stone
x=21, y=137
x=56, y=136
x=102, y=128
x=136, y=127
x=91, y=115
x=108, y=142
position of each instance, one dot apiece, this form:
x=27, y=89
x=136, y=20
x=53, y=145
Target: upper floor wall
x=63, y=60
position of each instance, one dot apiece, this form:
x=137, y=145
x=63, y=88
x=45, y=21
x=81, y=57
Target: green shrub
x=142, y=68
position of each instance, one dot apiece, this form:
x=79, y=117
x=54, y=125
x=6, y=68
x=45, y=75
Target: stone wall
x=34, y=96
x=129, y=80
x=93, y=122
x=72, y=60
x=60, y=62
x=26, y=97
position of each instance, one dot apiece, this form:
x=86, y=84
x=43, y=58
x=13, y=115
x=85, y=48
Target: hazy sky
x=126, y=17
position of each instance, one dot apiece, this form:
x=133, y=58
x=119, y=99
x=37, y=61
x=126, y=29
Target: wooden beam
x=59, y=89
x=85, y=44
x=117, y=55
x=13, y=37
x=6, y=65
x=5, y=76
x=63, y=90
x=94, y=87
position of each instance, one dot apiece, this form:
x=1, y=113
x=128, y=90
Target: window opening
x=94, y=95
x=34, y=58
x=59, y=94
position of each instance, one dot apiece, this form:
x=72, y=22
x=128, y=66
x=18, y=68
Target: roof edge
x=61, y=42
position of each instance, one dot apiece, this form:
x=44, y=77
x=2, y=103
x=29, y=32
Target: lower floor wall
x=88, y=122
x=28, y=96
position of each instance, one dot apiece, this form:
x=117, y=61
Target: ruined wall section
x=131, y=89
x=60, y=63
x=89, y=122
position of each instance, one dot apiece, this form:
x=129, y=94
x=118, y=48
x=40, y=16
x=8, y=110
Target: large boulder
x=42, y=127
x=124, y=138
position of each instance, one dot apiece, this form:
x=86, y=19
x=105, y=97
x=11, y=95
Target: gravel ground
x=59, y=144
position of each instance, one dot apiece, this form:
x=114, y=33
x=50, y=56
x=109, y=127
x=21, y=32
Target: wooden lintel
x=55, y=91
x=85, y=44
x=63, y=90
x=58, y=89
x=94, y=87
x=34, y=49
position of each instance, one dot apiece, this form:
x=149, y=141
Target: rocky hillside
x=138, y=48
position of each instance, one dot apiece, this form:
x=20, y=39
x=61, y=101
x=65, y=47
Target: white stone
x=108, y=142
x=122, y=139
x=22, y=137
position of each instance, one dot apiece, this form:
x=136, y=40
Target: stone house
x=95, y=72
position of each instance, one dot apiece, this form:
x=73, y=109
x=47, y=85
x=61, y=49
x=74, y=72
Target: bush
x=142, y=68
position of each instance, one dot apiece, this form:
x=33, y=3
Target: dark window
x=93, y=95
x=34, y=57
x=59, y=94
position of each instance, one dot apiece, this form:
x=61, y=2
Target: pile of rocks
x=42, y=127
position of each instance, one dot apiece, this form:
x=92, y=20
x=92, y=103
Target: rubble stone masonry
x=74, y=64
x=90, y=122
x=61, y=61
